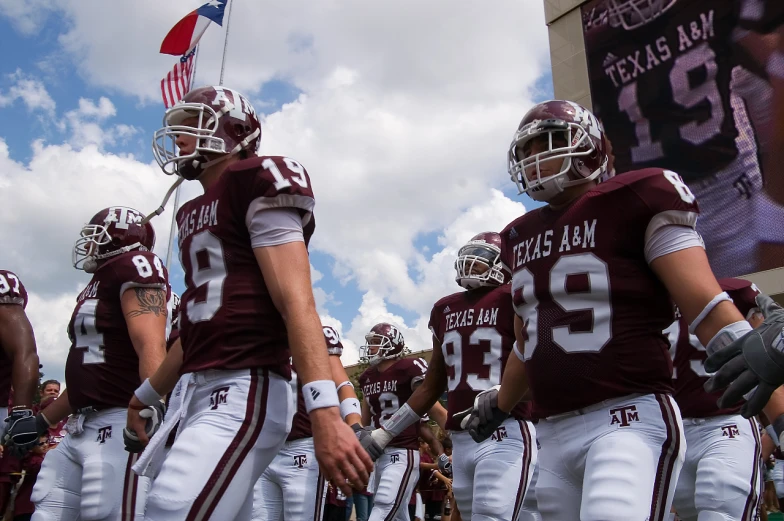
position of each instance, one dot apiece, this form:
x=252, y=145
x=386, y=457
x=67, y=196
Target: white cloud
x=47, y=202
x=403, y=122
x=85, y=125
x=27, y=16
x=31, y=91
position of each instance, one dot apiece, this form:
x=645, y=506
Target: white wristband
x=772, y=434
x=146, y=394
x=727, y=335
x=349, y=406
x=345, y=384
x=320, y=394
x=721, y=297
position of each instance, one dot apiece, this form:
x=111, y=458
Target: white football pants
x=618, y=460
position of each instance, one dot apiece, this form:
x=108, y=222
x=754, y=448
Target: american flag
x=178, y=81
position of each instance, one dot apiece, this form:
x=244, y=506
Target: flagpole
x=225, y=43
x=173, y=226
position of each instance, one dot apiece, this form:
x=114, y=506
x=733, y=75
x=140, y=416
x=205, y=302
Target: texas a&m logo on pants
x=499, y=434
x=104, y=433
x=395, y=458
x=218, y=397
x=300, y=460
x=624, y=416
x=730, y=431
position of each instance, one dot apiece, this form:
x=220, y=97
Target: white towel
x=150, y=461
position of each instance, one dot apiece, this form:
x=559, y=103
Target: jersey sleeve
x=436, y=316
x=141, y=269
x=506, y=257
x=334, y=345
x=274, y=182
x=416, y=371
x=664, y=197
x=12, y=291
x=743, y=293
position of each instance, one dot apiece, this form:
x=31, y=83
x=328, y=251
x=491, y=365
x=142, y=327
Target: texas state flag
x=185, y=35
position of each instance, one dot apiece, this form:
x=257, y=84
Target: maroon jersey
x=662, y=90
x=594, y=310
x=385, y=391
x=300, y=426
x=228, y=319
x=102, y=369
x=12, y=292
x=689, y=356
x=476, y=332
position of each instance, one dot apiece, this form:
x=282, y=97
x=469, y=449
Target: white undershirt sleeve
x=274, y=226
x=669, y=239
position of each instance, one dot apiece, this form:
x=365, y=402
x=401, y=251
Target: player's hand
x=143, y=422
x=23, y=433
x=751, y=367
x=482, y=420
x=375, y=442
x=338, y=451
x=364, y=435
x=445, y=465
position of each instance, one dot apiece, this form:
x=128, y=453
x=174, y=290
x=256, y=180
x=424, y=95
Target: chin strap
x=166, y=198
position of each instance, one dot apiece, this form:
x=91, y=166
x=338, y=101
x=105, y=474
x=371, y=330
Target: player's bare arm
x=426, y=394
x=58, y=410
x=426, y=433
x=438, y=414
x=18, y=341
x=691, y=284
x=145, y=314
x=349, y=405
x=286, y=270
x=514, y=382
x=365, y=413
x=163, y=382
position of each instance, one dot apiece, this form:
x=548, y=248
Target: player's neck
x=212, y=174
x=570, y=195
x=385, y=364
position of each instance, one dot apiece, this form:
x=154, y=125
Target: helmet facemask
x=486, y=257
x=165, y=148
x=576, y=144
x=631, y=14
x=85, y=255
x=383, y=345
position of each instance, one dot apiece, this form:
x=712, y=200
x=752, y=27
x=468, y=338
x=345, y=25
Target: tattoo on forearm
x=150, y=301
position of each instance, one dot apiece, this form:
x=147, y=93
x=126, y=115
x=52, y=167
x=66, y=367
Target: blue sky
x=328, y=102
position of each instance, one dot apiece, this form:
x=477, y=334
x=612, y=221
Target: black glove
x=754, y=360
x=444, y=465
x=154, y=415
x=482, y=420
x=24, y=431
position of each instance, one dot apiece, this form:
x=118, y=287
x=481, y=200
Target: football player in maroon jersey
x=247, y=309
x=721, y=474
x=118, y=338
x=676, y=83
x=594, y=274
x=473, y=336
x=18, y=365
x=386, y=384
x=292, y=488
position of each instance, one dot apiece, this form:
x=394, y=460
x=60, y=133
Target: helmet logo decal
x=234, y=111
x=127, y=216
